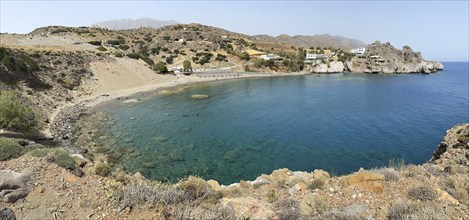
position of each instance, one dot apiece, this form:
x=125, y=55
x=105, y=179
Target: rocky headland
x=384, y=58
x=380, y=58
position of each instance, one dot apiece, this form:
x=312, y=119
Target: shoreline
x=62, y=121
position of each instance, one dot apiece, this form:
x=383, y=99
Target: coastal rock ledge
x=384, y=58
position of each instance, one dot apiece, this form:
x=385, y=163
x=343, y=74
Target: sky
x=438, y=29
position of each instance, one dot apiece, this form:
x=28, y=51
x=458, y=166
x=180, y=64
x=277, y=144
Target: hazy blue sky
x=439, y=29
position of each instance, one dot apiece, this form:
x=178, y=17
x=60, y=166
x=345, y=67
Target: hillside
x=124, y=24
x=324, y=40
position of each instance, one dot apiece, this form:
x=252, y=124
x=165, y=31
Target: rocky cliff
x=384, y=58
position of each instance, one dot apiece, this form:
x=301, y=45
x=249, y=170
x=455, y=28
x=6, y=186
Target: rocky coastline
x=382, y=58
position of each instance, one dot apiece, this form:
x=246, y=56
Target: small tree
x=14, y=115
x=160, y=67
x=187, y=65
x=169, y=60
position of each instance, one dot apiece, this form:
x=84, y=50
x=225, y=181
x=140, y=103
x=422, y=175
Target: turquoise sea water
x=247, y=127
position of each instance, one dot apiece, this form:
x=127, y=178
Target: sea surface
x=335, y=122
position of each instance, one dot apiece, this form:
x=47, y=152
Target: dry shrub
x=390, y=174
x=195, y=187
x=422, y=193
x=316, y=184
x=288, y=209
x=414, y=211
x=195, y=212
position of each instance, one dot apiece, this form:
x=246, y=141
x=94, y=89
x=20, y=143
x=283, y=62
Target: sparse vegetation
x=9, y=149
x=101, y=48
x=202, y=58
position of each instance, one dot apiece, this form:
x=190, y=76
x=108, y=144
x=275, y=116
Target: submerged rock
x=199, y=96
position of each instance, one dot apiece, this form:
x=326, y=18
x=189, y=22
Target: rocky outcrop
x=332, y=67
x=454, y=148
x=384, y=58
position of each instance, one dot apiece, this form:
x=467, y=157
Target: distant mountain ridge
x=126, y=23
x=324, y=40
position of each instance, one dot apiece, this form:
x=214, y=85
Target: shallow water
x=247, y=127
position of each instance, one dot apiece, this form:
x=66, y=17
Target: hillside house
x=313, y=57
x=271, y=57
x=358, y=51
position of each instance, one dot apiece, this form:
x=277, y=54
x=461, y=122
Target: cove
x=247, y=127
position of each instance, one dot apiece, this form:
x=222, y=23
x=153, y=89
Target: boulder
x=14, y=186
x=249, y=208
x=332, y=67
x=214, y=184
x=7, y=214
x=373, y=182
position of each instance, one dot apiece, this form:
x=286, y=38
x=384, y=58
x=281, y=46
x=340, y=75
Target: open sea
x=335, y=122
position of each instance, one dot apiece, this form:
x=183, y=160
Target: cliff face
x=384, y=58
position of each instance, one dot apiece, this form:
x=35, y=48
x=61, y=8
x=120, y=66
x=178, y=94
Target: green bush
x=134, y=56
x=40, y=152
x=221, y=57
x=187, y=65
x=123, y=47
x=9, y=149
x=95, y=42
x=115, y=42
x=15, y=116
x=9, y=62
x=169, y=60
x=101, y=48
x=61, y=158
x=148, y=60
x=30, y=62
x=119, y=54
x=160, y=67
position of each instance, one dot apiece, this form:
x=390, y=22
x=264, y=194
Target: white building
x=358, y=51
x=271, y=57
x=312, y=57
